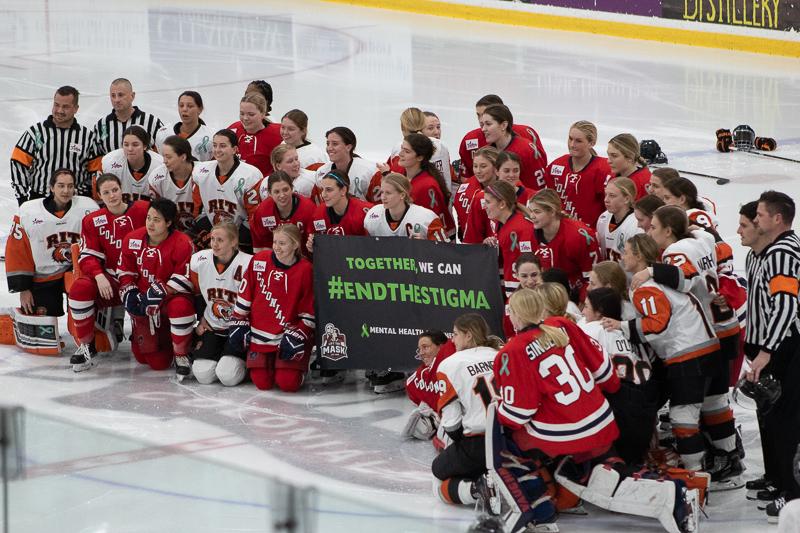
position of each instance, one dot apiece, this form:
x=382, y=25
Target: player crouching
x=155, y=289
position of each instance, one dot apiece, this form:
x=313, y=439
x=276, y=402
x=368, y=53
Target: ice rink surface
x=359, y=68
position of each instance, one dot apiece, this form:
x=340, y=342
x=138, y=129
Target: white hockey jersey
x=302, y=184
x=200, y=139
x=233, y=200
x=361, y=173
x=628, y=364
x=440, y=157
x=135, y=185
x=465, y=384
x=702, y=218
x=611, y=235
x=311, y=156
x=163, y=186
x=417, y=219
x=218, y=289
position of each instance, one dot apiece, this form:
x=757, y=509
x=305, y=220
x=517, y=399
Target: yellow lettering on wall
x=712, y=13
x=765, y=12
x=735, y=21
x=686, y=14
x=775, y=13
x=728, y=10
x=744, y=14
x=756, y=20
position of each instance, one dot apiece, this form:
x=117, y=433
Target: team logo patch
x=334, y=343
x=268, y=222
x=75, y=148
x=37, y=221
x=100, y=221
x=525, y=246
x=221, y=309
x=62, y=252
x=471, y=144
x=319, y=225
x=259, y=266
x=462, y=187
x=116, y=165
x=135, y=244
x=556, y=170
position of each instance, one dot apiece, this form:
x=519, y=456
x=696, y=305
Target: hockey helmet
x=761, y=394
x=651, y=152
x=744, y=137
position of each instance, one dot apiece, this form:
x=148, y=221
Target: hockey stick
x=767, y=155
x=720, y=181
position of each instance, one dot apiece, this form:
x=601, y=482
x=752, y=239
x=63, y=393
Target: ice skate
x=84, y=357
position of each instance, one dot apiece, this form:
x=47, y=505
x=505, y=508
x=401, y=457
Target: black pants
x=50, y=296
x=465, y=458
x=635, y=408
x=213, y=345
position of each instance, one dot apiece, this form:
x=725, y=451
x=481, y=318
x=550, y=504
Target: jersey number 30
x=570, y=377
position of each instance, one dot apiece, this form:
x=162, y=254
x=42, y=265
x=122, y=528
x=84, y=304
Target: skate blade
x=82, y=367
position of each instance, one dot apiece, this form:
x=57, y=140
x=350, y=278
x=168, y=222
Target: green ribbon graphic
x=364, y=331
x=203, y=146
x=432, y=196
x=504, y=371
x=586, y=236
x=514, y=240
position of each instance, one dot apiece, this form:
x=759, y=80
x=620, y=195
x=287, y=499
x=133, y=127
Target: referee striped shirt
x=108, y=131
x=45, y=148
x=773, y=278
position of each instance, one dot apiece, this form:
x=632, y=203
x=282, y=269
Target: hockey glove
x=724, y=140
x=132, y=300
x=238, y=336
x=201, y=232
x=292, y=344
x=153, y=298
x=767, y=144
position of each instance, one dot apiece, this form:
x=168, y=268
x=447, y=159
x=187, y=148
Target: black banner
x=375, y=295
x=767, y=14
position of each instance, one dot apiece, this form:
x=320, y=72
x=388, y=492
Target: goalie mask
x=744, y=137
x=760, y=395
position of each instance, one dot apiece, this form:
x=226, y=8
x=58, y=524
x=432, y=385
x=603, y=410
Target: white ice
x=359, y=68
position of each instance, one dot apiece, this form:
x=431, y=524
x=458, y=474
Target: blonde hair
x=230, y=229
x=256, y=99
x=528, y=305
x=412, y=120
x=643, y=246
x=588, y=129
x=291, y=231
x=506, y=193
x=610, y=273
x=554, y=297
x=490, y=153
x=277, y=154
x=628, y=146
x=474, y=324
x=627, y=187
x=548, y=200
x=401, y=184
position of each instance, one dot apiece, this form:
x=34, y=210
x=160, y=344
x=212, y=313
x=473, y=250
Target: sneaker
x=183, y=366
x=766, y=496
x=774, y=509
x=83, y=358
x=754, y=486
x=726, y=471
x=386, y=382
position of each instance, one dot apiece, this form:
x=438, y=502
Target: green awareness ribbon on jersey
x=514, y=241
x=432, y=196
x=504, y=371
x=586, y=236
x=203, y=146
x=364, y=331
x=239, y=191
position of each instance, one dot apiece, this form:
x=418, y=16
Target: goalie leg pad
x=36, y=334
x=231, y=370
x=205, y=371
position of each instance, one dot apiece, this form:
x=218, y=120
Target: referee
x=772, y=340
x=109, y=130
x=57, y=143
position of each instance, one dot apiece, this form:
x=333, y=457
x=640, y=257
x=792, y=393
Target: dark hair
x=778, y=203
x=487, y=100
x=681, y=186
x=505, y=157
x=265, y=89
x=674, y=218
x=500, y=113
x=665, y=174
x=648, y=204
x=228, y=134
x=606, y=301
x=749, y=210
x=435, y=335
x=423, y=146
x=506, y=193
x=59, y=172
x=300, y=118
x=67, y=90
x=645, y=247
x=430, y=114
x=180, y=146
x=340, y=177
x=167, y=209
x=140, y=133
x=557, y=275
x=105, y=178
x=527, y=257
x=347, y=135
x=194, y=95
x=277, y=177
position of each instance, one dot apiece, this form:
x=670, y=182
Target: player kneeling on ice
x=274, y=315
x=95, y=285
x=216, y=275
x=465, y=389
x=156, y=291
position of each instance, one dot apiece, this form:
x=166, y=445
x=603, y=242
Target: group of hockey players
x=621, y=296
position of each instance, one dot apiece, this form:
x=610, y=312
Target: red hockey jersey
x=102, y=233
x=351, y=223
x=550, y=395
x=574, y=250
x=478, y=224
x=514, y=237
x=475, y=139
x=425, y=191
x=141, y=264
x=421, y=386
x=582, y=191
x=274, y=296
x=641, y=177
x=266, y=218
x=462, y=201
x=256, y=149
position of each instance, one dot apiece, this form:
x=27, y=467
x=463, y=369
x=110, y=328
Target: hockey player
x=508, y=167
x=644, y=208
x=294, y=130
x=173, y=180
x=134, y=164
x=281, y=207
x=497, y=126
x=580, y=176
x=465, y=391
x=483, y=173
x=257, y=136
x=514, y=232
x=287, y=159
x=475, y=139
x=433, y=126
x=38, y=249
x=618, y=223
x=413, y=120
x=191, y=127
x=340, y=213
x=683, y=193
x=659, y=177
x=626, y=160
x=609, y=274
x=340, y=145
x=398, y=216
x=562, y=242
x=216, y=275
x=102, y=233
x=154, y=284
x=274, y=314
x=224, y=190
